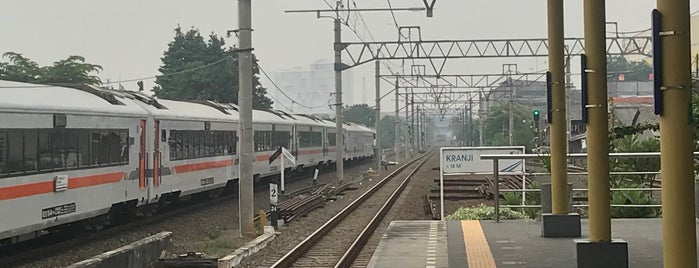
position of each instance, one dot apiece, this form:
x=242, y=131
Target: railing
x=496, y=175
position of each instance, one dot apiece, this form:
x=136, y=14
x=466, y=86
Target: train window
x=172, y=144
x=3, y=150
x=331, y=139
x=280, y=138
x=83, y=137
x=102, y=143
x=94, y=148
x=15, y=142
x=44, y=151
x=124, y=146
x=115, y=147
x=72, y=152
x=31, y=151
x=30, y=141
x=262, y=140
x=231, y=142
x=58, y=149
x=310, y=139
x=189, y=144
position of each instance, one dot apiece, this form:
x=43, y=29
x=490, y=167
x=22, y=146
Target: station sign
x=468, y=160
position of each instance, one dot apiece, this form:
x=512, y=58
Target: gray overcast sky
x=128, y=37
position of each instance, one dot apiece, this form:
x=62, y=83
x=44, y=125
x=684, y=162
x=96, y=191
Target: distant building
x=312, y=86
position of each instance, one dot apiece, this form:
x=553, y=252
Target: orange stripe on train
x=203, y=165
x=86, y=181
x=44, y=187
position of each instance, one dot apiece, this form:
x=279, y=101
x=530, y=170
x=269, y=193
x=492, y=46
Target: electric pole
x=377, y=116
x=396, y=125
x=407, y=136
x=245, y=152
x=338, y=46
x=339, y=136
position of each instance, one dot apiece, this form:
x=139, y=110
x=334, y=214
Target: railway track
x=19, y=254
x=340, y=240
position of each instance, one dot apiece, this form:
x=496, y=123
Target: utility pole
x=464, y=134
x=412, y=122
x=470, y=121
x=482, y=111
x=245, y=152
x=396, y=126
x=511, y=119
x=407, y=137
x=340, y=136
x=377, y=116
x=338, y=46
x=419, y=130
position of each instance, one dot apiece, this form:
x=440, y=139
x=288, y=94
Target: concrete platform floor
x=471, y=244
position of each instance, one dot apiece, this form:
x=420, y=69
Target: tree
x=469, y=126
x=633, y=71
x=497, y=122
x=72, y=70
x=387, y=132
x=360, y=113
x=194, y=69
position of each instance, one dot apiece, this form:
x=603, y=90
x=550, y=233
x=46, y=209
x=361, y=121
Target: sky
x=128, y=37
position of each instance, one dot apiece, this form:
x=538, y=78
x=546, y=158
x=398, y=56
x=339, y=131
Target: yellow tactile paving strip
x=477, y=250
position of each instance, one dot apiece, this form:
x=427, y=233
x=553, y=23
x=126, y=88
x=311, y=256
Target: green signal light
x=536, y=112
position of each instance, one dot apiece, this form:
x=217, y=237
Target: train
x=79, y=155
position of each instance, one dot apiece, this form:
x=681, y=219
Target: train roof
x=190, y=110
x=83, y=99
x=272, y=117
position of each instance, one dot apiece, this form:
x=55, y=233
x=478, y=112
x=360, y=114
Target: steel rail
x=304, y=246
x=351, y=254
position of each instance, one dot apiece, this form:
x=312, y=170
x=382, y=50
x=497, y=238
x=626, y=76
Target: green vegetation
x=72, y=70
x=387, y=131
x=532, y=198
x=205, y=70
x=497, y=123
x=483, y=212
x=360, y=113
x=223, y=244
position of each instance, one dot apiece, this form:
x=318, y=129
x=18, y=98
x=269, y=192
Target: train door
x=157, y=155
x=324, y=138
x=295, y=141
x=142, y=156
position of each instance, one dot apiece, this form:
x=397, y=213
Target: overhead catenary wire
x=393, y=15
x=293, y=101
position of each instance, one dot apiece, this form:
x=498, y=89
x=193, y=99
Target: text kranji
x=459, y=158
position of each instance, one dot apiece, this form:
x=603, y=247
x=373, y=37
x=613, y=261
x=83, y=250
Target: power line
x=284, y=93
x=394, y=18
x=647, y=29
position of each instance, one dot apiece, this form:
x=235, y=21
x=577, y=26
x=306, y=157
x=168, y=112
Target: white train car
x=193, y=147
x=271, y=131
x=358, y=141
x=78, y=154
x=66, y=155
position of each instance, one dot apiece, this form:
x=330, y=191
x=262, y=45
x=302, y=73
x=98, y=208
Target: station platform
x=511, y=243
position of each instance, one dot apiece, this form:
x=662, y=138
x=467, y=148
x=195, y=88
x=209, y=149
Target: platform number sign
x=273, y=198
x=273, y=194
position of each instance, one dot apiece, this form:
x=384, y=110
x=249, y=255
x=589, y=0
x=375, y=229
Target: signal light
x=536, y=115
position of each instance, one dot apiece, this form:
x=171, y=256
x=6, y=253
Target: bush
x=634, y=198
x=483, y=212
